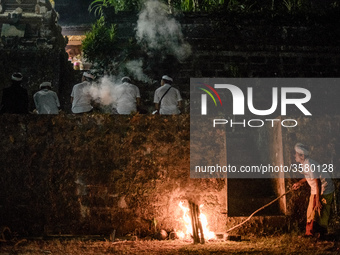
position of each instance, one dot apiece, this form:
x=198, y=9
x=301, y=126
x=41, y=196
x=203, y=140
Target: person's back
x=15, y=97
x=80, y=97
x=46, y=100
x=167, y=98
x=169, y=104
x=127, y=98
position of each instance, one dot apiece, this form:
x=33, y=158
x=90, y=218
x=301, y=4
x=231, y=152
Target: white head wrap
x=165, y=77
x=88, y=75
x=17, y=77
x=301, y=149
x=45, y=84
x=125, y=79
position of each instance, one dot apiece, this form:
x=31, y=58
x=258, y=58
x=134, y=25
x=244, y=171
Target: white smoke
x=135, y=69
x=159, y=31
x=104, y=91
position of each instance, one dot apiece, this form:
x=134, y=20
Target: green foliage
x=295, y=5
x=210, y=5
x=97, y=6
x=239, y=6
x=198, y=5
x=100, y=43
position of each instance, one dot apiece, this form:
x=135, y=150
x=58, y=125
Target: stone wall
x=241, y=45
x=91, y=174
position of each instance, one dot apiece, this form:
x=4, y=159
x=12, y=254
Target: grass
x=279, y=244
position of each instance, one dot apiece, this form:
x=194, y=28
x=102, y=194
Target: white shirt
x=46, y=101
x=126, y=95
x=312, y=172
x=169, y=104
x=81, y=97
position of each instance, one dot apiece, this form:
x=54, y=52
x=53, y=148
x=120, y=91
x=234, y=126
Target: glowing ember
x=187, y=221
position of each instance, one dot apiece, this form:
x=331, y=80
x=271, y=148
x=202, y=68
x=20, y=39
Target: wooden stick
x=202, y=241
x=197, y=228
x=194, y=223
x=239, y=225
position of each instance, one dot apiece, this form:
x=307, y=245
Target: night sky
x=74, y=12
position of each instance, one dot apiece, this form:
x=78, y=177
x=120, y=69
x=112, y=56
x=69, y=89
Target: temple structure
x=29, y=24
x=31, y=43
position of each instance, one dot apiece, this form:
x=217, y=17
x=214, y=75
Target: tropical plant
x=197, y=5
x=244, y=6
x=98, y=6
x=100, y=44
x=296, y=5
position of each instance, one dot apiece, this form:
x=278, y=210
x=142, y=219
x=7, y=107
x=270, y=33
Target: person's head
x=17, y=78
x=87, y=76
x=301, y=152
x=166, y=80
x=126, y=79
x=45, y=85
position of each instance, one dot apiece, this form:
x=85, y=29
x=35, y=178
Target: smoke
x=161, y=32
x=157, y=32
x=135, y=69
x=104, y=92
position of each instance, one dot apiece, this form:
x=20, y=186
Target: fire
x=187, y=220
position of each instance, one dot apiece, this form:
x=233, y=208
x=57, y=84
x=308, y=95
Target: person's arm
x=35, y=100
x=156, y=101
x=138, y=101
x=157, y=106
x=298, y=184
x=57, y=101
x=72, y=95
x=180, y=104
x=318, y=205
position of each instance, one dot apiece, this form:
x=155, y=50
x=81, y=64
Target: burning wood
x=197, y=230
x=196, y=224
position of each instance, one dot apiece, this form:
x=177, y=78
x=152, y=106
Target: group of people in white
x=167, y=99
x=127, y=98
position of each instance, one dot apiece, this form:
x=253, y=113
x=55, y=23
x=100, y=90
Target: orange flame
x=187, y=221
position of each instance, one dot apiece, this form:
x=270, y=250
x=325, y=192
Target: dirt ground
x=279, y=244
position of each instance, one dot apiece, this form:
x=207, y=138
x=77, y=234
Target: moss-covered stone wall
x=91, y=174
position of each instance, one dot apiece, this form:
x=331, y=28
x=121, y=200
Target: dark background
x=74, y=11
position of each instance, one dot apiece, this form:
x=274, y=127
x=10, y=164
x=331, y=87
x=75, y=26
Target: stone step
x=25, y=7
